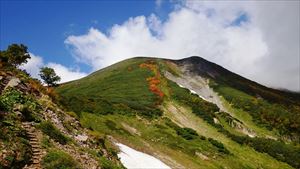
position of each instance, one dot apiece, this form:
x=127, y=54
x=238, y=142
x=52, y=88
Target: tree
x=14, y=55
x=49, y=76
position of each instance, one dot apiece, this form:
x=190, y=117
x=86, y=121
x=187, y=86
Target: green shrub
x=59, y=160
x=107, y=164
x=53, y=132
x=29, y=114
x=187, y=133
x=13, y=140
x=284, y=118
x=9, y=98
x=279, y=150
x=46, y=142
x=112, y=90
x=219, y=145
x=202, y=138
x=113, y=127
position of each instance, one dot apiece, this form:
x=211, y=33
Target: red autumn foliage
x=153, y=81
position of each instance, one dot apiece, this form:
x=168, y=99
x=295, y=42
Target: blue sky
x=43, y=25
x=257, y=39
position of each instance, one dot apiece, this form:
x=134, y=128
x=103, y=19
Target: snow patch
x=192, y=91
x=133, y=159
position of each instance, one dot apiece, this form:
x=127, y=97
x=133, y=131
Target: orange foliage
x=153, y=81
x=36, y=87
x=51, y=93
x=150, y=66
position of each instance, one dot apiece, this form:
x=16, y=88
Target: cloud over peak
x=234, y=35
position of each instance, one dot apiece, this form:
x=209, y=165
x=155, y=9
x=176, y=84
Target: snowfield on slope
x=133, y=159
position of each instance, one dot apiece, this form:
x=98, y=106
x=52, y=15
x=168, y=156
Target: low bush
x=59, y=160
x=279, y=150
x=187, y=133
x=46, y=143
x=9, y=98
x=29, y=114
x=284, y=118
x=53, y=132
x=107, y=164
x=219, y=145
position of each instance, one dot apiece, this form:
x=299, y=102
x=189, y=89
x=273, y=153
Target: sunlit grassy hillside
x=135, y=103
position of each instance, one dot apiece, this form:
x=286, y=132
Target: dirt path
x=35, y=146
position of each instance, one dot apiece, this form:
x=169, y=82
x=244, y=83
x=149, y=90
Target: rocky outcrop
x=200, y=86
x=28, y=105
x=85, y=159
x=12, y=82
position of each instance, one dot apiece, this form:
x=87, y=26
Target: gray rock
x=13, y=82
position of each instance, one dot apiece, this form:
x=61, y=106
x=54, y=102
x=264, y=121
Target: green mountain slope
x=160, y=107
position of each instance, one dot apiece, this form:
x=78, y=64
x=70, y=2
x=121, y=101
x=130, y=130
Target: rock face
x=78, y=134
x=238, y=125
x=197, y=85
x=13, y=82
x=200, y=85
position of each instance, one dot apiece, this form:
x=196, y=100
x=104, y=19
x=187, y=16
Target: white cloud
x=204, y=29
x=65, y=73
x=33, y=65
x=279, y=24
x=36, y=62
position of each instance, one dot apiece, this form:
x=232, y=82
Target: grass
x=273, y=148
x=107, y=164
x=273, y=116
x=56, y=159
x=247, y=119
x=157, y=135
x=242, y=155
x=118, y=88
x=50, y=130
x=13, y=139
x=120, y=94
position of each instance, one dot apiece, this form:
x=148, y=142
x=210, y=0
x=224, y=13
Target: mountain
x=188, y=113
